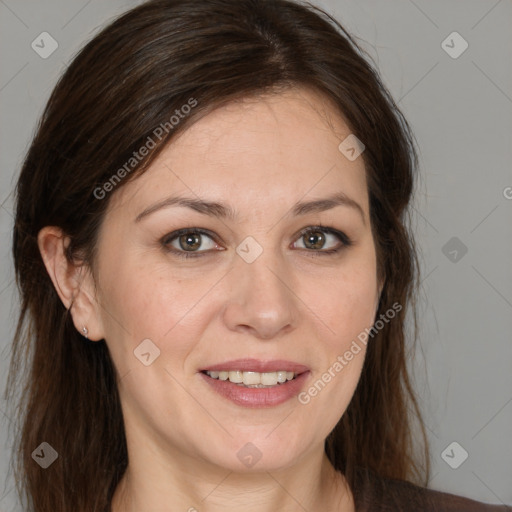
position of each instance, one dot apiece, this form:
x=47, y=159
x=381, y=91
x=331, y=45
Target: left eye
x=321, y=239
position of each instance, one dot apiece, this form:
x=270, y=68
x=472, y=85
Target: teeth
x=268, y=379
x=281, y=376
x=236, y=377
x=253, y=379
x=250, y=378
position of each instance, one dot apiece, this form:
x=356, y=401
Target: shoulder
x=377, y=494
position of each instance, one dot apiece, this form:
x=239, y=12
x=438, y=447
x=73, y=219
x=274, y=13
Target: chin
x=254, y=454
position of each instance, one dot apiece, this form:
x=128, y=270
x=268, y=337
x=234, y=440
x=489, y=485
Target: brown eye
x=190, y=242
x=322, y=240
x=314, y=240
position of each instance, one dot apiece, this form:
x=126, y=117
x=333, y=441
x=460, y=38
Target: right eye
x=186, y=243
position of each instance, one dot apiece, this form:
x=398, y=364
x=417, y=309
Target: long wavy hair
x=128, y=80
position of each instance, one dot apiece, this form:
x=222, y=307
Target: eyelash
x=342, y=237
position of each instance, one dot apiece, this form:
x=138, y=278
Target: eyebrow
x=217, y=209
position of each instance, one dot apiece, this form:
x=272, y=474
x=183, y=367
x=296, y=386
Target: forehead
x=257, y=153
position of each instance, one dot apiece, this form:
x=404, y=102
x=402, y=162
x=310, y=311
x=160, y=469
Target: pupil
x=316, y=239
x=190, y=242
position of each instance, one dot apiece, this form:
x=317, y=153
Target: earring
x=85, y=332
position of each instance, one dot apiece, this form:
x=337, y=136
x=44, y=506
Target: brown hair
x=128, y=80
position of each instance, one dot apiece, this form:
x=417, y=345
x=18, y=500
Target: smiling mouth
x=250, y=379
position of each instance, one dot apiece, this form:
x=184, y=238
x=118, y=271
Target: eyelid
x=167, y=239
x=185, y=231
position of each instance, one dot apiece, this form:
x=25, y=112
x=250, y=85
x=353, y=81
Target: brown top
x=376, y=494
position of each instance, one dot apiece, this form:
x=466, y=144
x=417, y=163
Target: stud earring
x=85, y=332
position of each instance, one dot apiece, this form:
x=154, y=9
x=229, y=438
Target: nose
x=261, y=300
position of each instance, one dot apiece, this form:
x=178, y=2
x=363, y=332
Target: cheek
x=349, y=314
x=346, y=308
x=153, y=301
x=345, y=302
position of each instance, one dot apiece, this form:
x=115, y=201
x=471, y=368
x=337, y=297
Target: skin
x=290, y=303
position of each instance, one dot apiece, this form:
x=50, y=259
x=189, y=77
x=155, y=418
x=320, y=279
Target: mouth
x=254, y=383
x=250, y=379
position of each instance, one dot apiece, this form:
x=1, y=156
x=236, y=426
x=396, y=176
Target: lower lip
x=257, y=397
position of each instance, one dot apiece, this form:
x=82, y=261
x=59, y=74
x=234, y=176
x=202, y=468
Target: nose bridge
x=261, y=298
x=265, y=277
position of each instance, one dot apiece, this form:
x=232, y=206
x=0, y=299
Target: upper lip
x=256, y=365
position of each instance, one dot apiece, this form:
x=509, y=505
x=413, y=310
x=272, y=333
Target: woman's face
x=261, y=285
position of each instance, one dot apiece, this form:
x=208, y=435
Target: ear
x=73, y=282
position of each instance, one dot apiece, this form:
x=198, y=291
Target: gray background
x=460, y=110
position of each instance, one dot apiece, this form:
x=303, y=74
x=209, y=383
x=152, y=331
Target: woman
x=214, y=265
